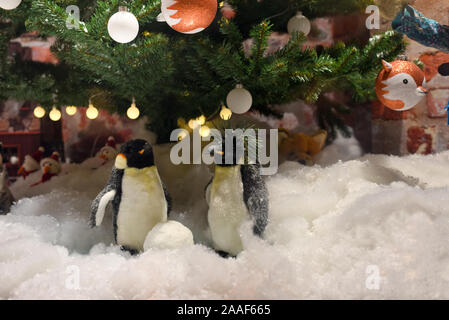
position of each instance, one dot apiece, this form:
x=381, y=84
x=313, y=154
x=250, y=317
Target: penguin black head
x=135, y=154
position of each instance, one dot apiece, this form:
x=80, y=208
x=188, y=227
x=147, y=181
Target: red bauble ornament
x=400, y=85
x=189, y=16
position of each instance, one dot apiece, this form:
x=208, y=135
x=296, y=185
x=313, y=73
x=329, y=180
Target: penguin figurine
x=236, y=193
x=6, y=197
x=139, y=198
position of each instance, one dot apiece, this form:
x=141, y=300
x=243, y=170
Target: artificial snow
x=372, y=228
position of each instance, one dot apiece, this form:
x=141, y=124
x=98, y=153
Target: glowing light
x=201, y=119
x=39, y=112
x=133, y=112
x=204, y=131
x=225, y=113
x=193, y=123
x=70, y=110
x=55, y=114
x=92, y=112
x=182, y=135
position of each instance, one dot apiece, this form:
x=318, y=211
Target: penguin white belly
x=142, y=206
x=227, y=210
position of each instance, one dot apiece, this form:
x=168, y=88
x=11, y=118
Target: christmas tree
x=173, y=75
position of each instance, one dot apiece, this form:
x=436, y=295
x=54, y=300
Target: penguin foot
x=133, y=252
x=224, y=254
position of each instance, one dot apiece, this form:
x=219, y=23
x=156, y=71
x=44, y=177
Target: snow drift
x=372, y=228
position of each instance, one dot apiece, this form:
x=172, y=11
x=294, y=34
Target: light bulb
x=204, y=131
x=92, y=112
x=201, y=119
x=55, y=114
x=9, y=4
x=182, y=135
x=123, y=26
x=225, y=113
x=70, y=110
x=133, y=112
x=39, y=112
x=193, y=123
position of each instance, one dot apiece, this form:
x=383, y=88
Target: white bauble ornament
x=123, y=26
x=168, y=235
x=299, y=23
x=239, y=100
x=9, y=4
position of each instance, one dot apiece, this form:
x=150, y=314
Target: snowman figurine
x=31, y=163
x=50, y=167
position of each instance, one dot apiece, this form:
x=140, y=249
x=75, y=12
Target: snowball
x=168, y=235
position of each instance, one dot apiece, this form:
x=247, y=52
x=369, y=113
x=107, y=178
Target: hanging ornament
x=55, y=114
x=188, y=16
x=400, y=85
x=9, y=4
x=204, y=131
x=299, y=23
x=390, y=8
x=91, y=112
x=39, y=112
x=70, y=110
x=239, y=100
x=225, y=113
x=133, y=112
x=123, y=26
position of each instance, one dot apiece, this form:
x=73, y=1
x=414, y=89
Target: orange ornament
x=400, y=85
x=189, y=16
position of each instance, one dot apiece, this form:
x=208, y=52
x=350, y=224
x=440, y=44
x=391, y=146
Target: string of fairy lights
x=91, y=112
x=123, y=27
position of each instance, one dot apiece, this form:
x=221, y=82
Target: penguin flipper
x=168, y=199
x=255, y=196
x=98, y=207
x=207, y=190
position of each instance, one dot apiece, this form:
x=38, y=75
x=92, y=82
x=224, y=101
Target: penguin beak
x=102, y=156
x=421, y=91
x=46, y=169
x=20, y=170
x=121, y=162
